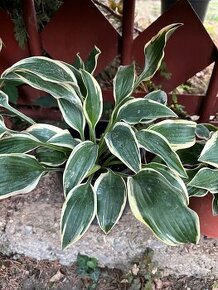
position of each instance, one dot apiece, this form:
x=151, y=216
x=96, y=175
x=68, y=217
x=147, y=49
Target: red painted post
x=209, y=101
x=29, y=15
x=127, y=31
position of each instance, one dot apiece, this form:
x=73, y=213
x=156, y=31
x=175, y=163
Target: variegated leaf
x=143, y=111
x=207, y=179
x=172, y=178
x=161, y=207
x=10, y=88
x=93, y=104
x=4, y=102
x=202, y=132
x=19, y=173
x=124, y=82
x=157, y=144
x=73, y=115
x=91, y=62
x=43, y=132
x=78, y=212
x=179, y=133
x=80, y=162
x=3, y=129
x=111, y=199
x=189, y=156
x=63, y=139
x=154, y=52
x=24, y=142
x=122, y=143
x=18, y=143
x=209, y=153
x=51, y=157
x=57, y=90
x=194, y=191
x=52, y=136
x=157, y=96
x=81, y=90
x=78, y=63
x=43, y=67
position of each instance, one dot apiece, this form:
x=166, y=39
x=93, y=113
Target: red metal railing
x=78, y=25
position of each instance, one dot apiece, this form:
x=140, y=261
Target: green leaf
x=63, y=139
x=124, y=82
x=51, y=135
x=202, y=132
x=194, y=191
x=19, y=173
x=111, y=199
x=50, y=157
x=81, y=90
x=141, y=110
x=46, y=102
x=215, y=204
x=78, y=212
x=80, y=162
x=157, y=144
x=10, y=89
x=73, y=115
x=18, y=143
x=57, y=90
x=154, y=52
x=94, y=169
x=210, y=127
x=78, y=63
x=4, y=102
x=157, y=96
x=122, y=143
x=207, y=179
x=43, y=67
x=189, y=156
x=209, y=153
x=91, y=62
x=179, y=133
x=93, y=104
x=86, y=265
x=171, y=177
x=161, y=207
x=43, y=132
x=3, y=128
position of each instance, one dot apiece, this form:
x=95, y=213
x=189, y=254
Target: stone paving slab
x=29, y=225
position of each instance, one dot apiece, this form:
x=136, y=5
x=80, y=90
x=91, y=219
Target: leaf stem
x=21, y=115
x=92, y=134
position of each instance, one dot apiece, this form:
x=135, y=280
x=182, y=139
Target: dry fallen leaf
x=124, y=281
x=158, y=284
x=57, y=277
x=215, y=286
x=135, y=270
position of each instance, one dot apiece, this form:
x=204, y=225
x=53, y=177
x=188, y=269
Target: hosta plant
x=134, y=159
x=203, y=164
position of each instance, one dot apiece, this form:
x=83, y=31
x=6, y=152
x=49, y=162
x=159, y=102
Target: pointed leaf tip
x=78, y=212
x=122, y=143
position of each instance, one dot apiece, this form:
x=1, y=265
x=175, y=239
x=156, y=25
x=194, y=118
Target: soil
x=23, y=273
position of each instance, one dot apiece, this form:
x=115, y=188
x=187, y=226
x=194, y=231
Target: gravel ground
x=23, y=273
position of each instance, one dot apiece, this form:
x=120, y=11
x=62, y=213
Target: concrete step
x=29, y=225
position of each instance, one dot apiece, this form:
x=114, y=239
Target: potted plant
x=203, y=183
x=135, y=158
